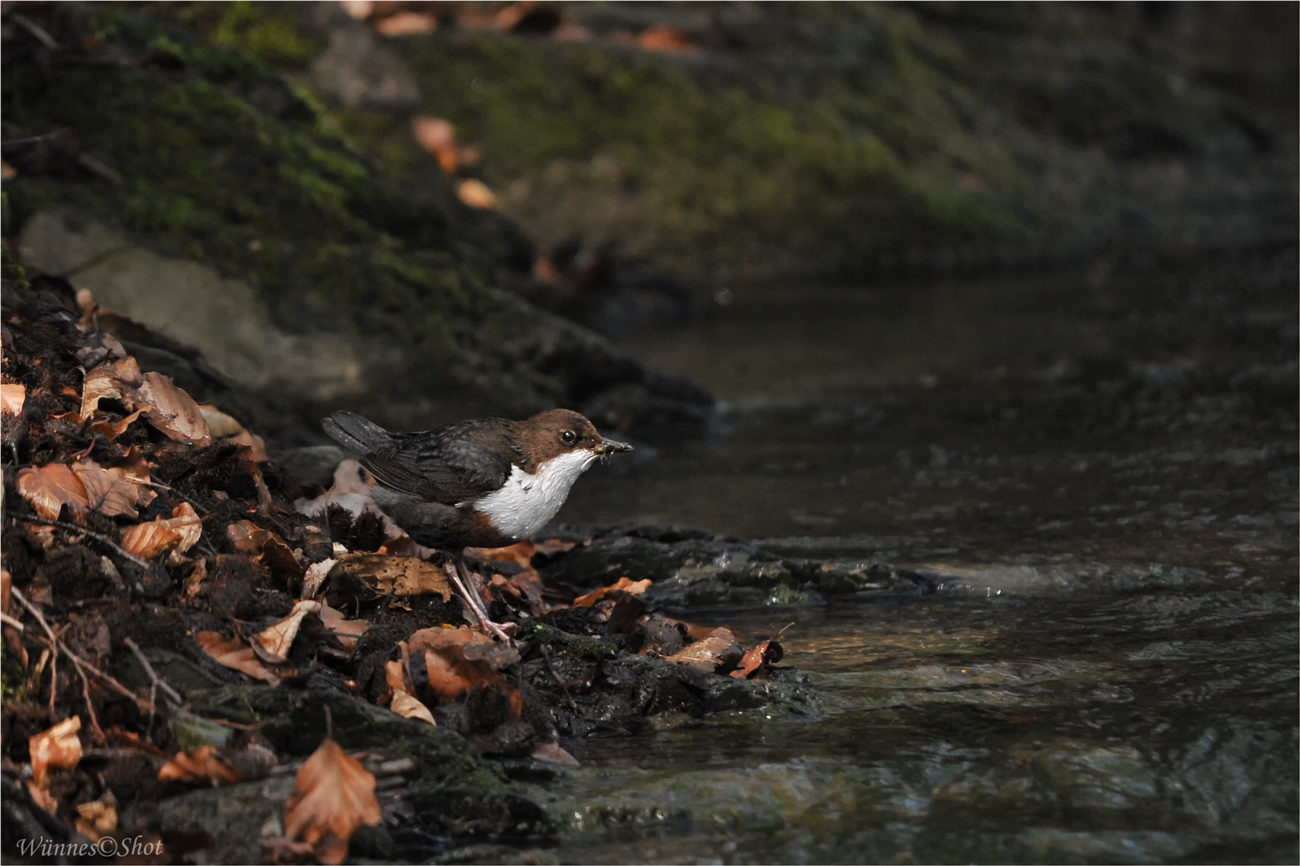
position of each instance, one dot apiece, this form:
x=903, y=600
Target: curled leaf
x=172, y=411
x=12, y=398
x=273, y=644
x=409, y=708
x=348, y=631
x=232, y=653
x=758, y=659
x=58, y=746
x=117, y=380
x=333, y=796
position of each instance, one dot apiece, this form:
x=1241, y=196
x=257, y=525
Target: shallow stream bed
x=1100, y=469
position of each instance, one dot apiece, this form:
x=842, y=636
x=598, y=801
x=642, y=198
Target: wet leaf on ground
x=719, y=650
x=623, y=585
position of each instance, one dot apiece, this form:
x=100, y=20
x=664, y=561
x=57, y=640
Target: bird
x=486, y=482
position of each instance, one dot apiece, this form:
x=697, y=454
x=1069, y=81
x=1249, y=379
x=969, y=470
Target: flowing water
x=1103, y=468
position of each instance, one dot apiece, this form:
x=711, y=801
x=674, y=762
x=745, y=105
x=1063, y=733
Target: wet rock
x=228, y=824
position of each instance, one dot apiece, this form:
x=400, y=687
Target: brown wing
x=459, y=463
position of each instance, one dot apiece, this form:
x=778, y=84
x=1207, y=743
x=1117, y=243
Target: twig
x=54, y=652
x=95, y=729
x=36, y=30
x=78, y=661
x=158, y=682
x=33, y=139
x=72, y=527
x=11, y=622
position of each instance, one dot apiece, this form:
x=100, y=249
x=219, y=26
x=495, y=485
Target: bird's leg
x=469, y=591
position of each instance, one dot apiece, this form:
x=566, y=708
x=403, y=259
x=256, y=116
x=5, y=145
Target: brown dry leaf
x=109, y=491
x=49, y=488
x=406, y=24
x=57, y=747
x=476, y=193
x=397, y=575
x=409, y=708
x=718, y=650
x=6, y=589
x=112, y=381
x=247, y=536
x=232, y=653
x=194, y=583
x=670, y=40
x=108, y=429
x=148, y=540
x=395, y=675
x=552, y=753
x=458, y=659
x=623, y=585
x=348, y=631
x=438, y=137
x=315, y=577
x=97, y=818
x=220, y=425
x=172, y=411
x=203, y=765
x=758, y=659
x=334, y=795
x=43, y=798
x=272, y=644
x=12, y=398
x=252, y=446
x=279, y=557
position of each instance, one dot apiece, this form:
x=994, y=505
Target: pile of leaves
x=136, y=518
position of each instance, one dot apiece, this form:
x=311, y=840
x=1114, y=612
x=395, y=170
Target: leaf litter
x=182, y=534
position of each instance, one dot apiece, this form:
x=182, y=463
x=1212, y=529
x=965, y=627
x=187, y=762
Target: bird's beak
x=609, y=446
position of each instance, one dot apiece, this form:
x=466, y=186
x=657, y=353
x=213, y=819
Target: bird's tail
x=355, y=433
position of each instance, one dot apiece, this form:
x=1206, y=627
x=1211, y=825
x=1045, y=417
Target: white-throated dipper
x=489, y=482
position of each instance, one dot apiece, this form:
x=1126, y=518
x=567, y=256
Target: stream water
x=1103, y=467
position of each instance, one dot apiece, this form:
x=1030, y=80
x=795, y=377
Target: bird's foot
x=469, y=591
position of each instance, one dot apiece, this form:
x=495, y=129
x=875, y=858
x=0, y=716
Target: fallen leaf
x=6, y=589
x=57, y=747
x=220, y=425
x=252, y=446
x=247, y=536
x=272, y=644
x=194, y=583
x=552, y=753
x=49, y=488
x=348, y=631
x=438, y=137
x=409, y=708
x=172, y=411
x=232, y=653
x=397, y=575
x=670, y=40
x=117, y=380
x=112, y=492
x=266, y=546
x=12, y=398
x=333, y=796
x=315, y=577
x=110, y=430
x=458, y=659
x=623, y=585
x=718, y=650
x=148, y=540
x=406, y=24
x=395, y=673
x=475, y=193
x=97, y=818
x=758, y=659
x=204, y=764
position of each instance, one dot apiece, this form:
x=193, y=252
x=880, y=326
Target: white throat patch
x=525, y=503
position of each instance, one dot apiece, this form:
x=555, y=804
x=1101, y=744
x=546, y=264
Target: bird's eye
x=568, y=437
